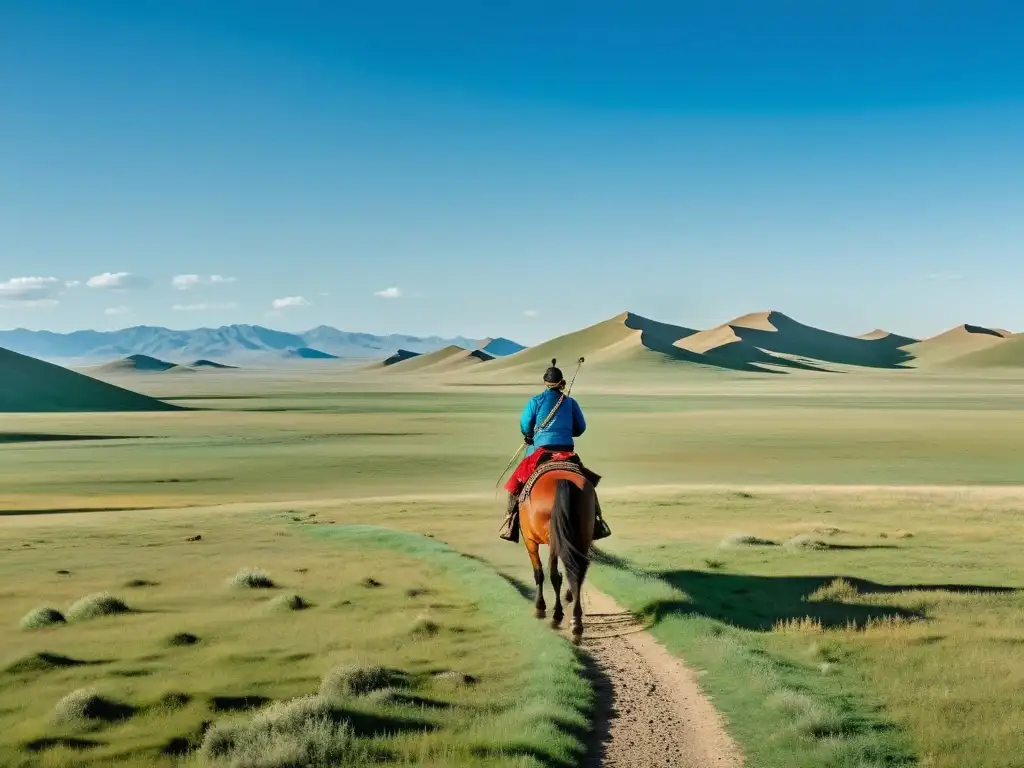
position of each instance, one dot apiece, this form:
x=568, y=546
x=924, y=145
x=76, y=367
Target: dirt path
x=651, y=710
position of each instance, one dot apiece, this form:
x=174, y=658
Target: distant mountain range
x=230, y=343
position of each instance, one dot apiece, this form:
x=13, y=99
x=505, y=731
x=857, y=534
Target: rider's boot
x=601, y=529
x=510, y=528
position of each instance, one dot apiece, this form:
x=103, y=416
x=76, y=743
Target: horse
x=560, y=512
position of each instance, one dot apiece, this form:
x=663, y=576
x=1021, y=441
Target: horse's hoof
x=577, y=630
x=540, y=613
x=556, y=621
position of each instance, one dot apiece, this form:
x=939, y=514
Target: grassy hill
x=28, y=385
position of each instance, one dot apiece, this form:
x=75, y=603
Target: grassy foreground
x=880, y=629
x=205, y=664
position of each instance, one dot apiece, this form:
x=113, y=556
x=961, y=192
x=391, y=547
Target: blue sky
x=515, y=169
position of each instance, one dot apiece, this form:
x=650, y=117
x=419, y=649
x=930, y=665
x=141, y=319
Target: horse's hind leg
x=540, y=608
x=556, y=585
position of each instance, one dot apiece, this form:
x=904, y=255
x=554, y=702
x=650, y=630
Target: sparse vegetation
x=302, y=733
x=97, y=605
x=85, y=706
x=288, y=602
x=805, y=541
x=353, y=680
x=251, y=578
x=746, y=540
x=424, y=627
x=43, y=616
x=776, y=623
x=44, y=661
x=180, y=639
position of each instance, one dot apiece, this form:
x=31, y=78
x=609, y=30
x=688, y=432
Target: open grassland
x=838, y=621
x=402, y=647
x=314, y=440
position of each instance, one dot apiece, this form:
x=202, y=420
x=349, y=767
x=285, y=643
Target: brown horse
x=560, y=512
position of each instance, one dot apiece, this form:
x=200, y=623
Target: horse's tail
x=565, y=536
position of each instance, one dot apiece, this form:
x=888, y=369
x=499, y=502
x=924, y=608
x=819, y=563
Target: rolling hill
x=28, y=385
x=212, y=364
x=1009, y=353
x=955, y=343
x=630, y=342
x=308, y=353
x=444, y=360
x=140, y=364
x=774, y=338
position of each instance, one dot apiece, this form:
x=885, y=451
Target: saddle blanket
x=529, y=465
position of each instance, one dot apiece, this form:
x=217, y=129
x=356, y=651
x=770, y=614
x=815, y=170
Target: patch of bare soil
x=652, y=712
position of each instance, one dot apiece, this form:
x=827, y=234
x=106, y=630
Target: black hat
x=553, y=376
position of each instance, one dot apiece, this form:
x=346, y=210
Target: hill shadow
x=758, y=602
x=662, y=338
x=49, y=437
x=794, y=338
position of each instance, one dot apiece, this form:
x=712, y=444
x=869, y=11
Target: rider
x=550, y=421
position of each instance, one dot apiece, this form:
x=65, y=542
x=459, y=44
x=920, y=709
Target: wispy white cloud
x=186, y=282
x=530, y=313
x=291, y=301
x=117, y=310
x=204, y=306
x=945, y=276
x=31, y=291
x=389, y=293
x=117, y=281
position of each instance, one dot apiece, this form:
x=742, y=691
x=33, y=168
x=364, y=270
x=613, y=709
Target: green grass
x=873, y=652
x=798, y=643
x=345, y=444
x=483, y=687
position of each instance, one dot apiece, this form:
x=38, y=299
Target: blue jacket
x=567, y=423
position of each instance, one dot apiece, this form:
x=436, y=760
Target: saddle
x=572, y=463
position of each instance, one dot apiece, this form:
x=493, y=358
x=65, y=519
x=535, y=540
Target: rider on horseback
x=550, y=421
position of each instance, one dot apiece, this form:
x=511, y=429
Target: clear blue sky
x=690, y=161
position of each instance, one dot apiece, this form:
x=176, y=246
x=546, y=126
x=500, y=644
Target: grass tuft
x=138, y=583
x=354, y=680
x=836, y=591
x=370, y=583
x=746, y=540
x=455, y=679
x=424, y=627
x=808, y=542
x=182, y=639
x=301, y=733
x=43, y=616
x=97, y=605
x=288, y=602
x=175, y=700
x=44, y=661
x=251, y=578
x=86, y=707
